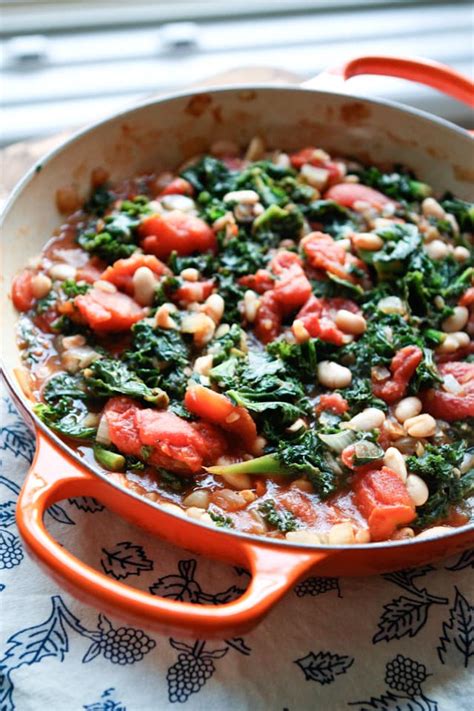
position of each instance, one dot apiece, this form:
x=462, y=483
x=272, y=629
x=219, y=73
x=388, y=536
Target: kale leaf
x=436, y=467
x=307, y=455
x=278, y=517
x=400, y=186
x=333, y=218
x=66, y=417
x=463, y=212
x=108, y=377
x=64, y=385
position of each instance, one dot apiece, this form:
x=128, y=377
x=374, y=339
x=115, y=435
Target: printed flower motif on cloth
x=331, y=644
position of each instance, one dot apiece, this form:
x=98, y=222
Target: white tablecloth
x=400, y=641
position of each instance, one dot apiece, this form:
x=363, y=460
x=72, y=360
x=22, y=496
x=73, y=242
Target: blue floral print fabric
x=402, y=641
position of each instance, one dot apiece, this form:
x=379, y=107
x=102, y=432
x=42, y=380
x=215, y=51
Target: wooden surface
x=16, y=159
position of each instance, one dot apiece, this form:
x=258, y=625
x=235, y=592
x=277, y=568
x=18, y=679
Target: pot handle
x=424, y=71
x=273, y=572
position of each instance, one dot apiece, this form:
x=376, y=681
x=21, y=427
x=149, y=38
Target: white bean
x=449, y=345
x=462, y=338
x=395, y=461
x=417, y=489
x=41, y=285
x=369, y=419
x=183, y=203
x=203, y=364
x=350, y=322
x=461, y=254
x=299, y=331
x=391, y=305
x=420, y=426
x=214, y=307
x=341, y=534
x=144, y=285
x=238, y=481
x=316, y=177
x=436, y=249
x=190, y=274
x=74, y=359
x=310, y=538
x=103, y=434
x=199, y=498
x=196, y=512
x=62, y=272
x=407, y=408
x=367, y=241
x=332, y=375
x=435, y=532
x=251, y=305
x=106, y=286
x=431, y=208
x=163, y=318
x=457, y=320
x=244, y=197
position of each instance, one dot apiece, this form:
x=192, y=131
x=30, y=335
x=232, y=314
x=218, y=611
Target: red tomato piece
x=178, y=186
x=467, y=299
x=382, y=498
x=292, y=288
x=121, y=272
x=269, y=318
x=260, y=282
x=22, y=291
x=403, y=366
x=284, y=260
x=176, y=231
x=333, y=402
x=120, y=413
x=309, y=155
x=107, y=312
x=300, y=504
x=218, y=409
x=318, y=315
x=450, y=406
x=191, y=291
x=347, y=194
x=324, y=253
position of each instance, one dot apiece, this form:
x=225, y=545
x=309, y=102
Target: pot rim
x=31, y=418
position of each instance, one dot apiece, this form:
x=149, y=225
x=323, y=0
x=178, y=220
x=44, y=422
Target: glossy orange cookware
x=160, y=135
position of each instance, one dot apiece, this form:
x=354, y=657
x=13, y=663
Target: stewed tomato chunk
x=175, y=231
x=108, y=311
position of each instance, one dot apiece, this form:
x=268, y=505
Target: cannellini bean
x=431, y=208
x=251, y=305
x=244, y=197
x=144, y=285
x=420, y=426
x=173, y=508
x=198, y=513
x=103, y=434
x=348, y=322
x=238, y=481
x=72, y=341
x=106, y=286
x=41, y=285
x=341, y=534
x=282, y=160
x=203, y=364
x=417, y=489
x=178, y=202
x=214, y=306
x=369, y=419
x=467, y=463
x=368, y=241
x=453, y=341
x=189, y=274
x=394, y=460
x=300, y=331
x=457, y=320
x=332, y=375
x=391, y=305
x=408, y=407
x=62, y=272
x=163, y=318
x=316, y=177
x=199, y=498
x=310, y=538
x=462, y=338
x=435, y=532
x=461, y=254
x=222, y=330
x=362, y=535
x=436, y=249
x=297, y=425
x=74, y=359
x=201, y=326
x=256, y=149
x=403, y=534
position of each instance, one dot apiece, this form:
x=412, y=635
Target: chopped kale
x=463, y=212
x=64, y=385
x=99, y=201
x=279, y=222
x=333, y=218
x=307, y=455
x=220, y=520
x=439, y=468
x=400, y=241
x=399, y=186
x=278, y=517
x=66, y=417
x=72, y=289
x=107, y=377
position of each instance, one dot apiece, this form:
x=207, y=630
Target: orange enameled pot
x=160, y=135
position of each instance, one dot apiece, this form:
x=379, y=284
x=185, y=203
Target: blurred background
x=65, y=63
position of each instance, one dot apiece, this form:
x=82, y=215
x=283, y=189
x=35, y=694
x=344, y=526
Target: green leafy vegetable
x=463, y=212
x=278, y=517
x=72, y=289
x=66, y=417
x=107, y=377
x=399, y=186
